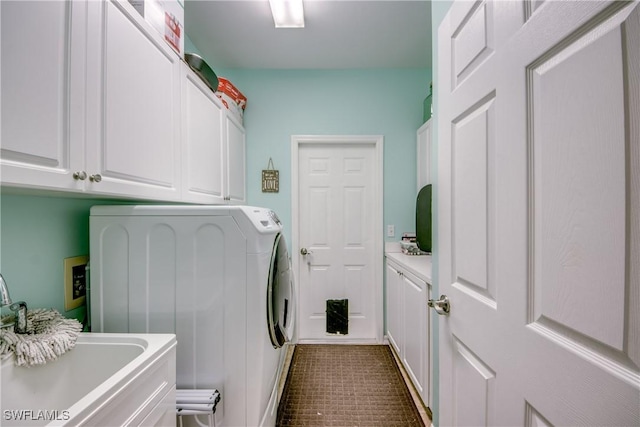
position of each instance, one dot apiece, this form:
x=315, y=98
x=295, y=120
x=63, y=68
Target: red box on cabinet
x=226, y=87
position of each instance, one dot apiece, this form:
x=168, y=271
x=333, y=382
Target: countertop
x=419, y=265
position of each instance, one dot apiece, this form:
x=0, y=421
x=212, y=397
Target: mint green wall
x=384, y=102
x=438, y=11
x=36, y=234
x=189, y=47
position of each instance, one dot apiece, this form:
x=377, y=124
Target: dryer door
x=279, y=294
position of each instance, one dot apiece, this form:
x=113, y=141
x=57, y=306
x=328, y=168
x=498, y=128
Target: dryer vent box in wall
x=338, y=316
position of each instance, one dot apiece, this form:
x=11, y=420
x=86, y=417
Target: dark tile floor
x=346, y=385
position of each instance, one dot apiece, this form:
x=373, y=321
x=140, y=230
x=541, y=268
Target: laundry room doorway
x=337, y=237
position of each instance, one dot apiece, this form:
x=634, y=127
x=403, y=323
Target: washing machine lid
x=279, y=294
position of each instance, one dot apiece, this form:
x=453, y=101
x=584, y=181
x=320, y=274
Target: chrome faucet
x=5, y=299
x=20, y=308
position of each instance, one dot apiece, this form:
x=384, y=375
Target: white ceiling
x=338, y=34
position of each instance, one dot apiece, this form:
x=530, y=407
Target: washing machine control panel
x=264, y=219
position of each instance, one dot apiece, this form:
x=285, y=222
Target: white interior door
x=339, y=224
x=539, y=200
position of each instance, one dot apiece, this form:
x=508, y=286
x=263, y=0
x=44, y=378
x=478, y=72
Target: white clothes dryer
x=269, y=321
x=218, y=277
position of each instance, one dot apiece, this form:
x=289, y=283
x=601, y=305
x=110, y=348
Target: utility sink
x=106, y=379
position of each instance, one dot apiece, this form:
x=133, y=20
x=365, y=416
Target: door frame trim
x=378, y=197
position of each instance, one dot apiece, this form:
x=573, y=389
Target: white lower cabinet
x=408, y=324
x=416, y=332
x=394, y=307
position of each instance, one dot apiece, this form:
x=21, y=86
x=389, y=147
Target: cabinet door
x=133, y=105
x=416, y=332
x=423, y=154
x=235, y=139
x=394, y=308
x=203, y=164
x=42, y=93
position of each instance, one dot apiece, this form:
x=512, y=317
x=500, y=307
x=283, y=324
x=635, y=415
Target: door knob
x=442, y=305
x=304, y=251
x=95, y=178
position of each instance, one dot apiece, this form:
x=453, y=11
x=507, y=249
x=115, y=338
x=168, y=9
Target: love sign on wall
x=270, y=179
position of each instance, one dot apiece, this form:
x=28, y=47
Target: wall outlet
x=391, y=230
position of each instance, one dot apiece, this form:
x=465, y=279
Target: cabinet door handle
x=80, y=175
x=95, y=178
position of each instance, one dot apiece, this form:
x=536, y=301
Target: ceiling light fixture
x=287, y=13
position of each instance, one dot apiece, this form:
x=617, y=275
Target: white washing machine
x=218, y=277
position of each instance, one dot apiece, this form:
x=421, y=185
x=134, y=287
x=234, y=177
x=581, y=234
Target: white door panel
x=42, y=97
x=122, y=107
x=129, y=119
x=235, y=149
x=394, y=308
x=202, y=141
x=538, y=213
x=416, y=356
x=474, y=388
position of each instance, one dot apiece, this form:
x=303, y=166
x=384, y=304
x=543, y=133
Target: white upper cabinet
x=42, y=129
x=90, y=100
x=213, y=147
x=94, y=100
x=423, y=154
x=203, y=151
x=235, y=161
x=133, y=108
